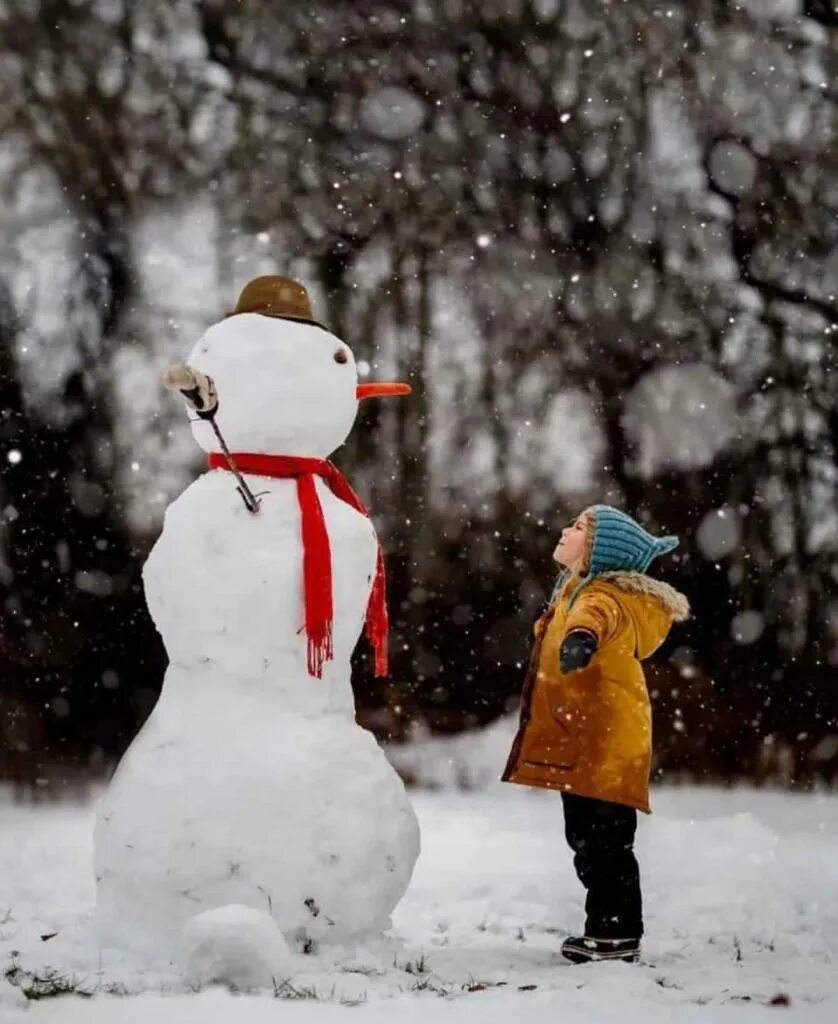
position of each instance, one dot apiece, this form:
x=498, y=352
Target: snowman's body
x=251, y=782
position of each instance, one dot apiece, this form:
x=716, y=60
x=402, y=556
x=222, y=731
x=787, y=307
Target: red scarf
x=317, y=555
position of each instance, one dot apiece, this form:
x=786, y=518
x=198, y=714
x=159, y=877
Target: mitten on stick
x=197, y=388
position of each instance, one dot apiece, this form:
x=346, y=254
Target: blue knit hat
x=621, y=544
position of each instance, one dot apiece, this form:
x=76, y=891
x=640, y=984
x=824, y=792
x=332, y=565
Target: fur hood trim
x=639, y=583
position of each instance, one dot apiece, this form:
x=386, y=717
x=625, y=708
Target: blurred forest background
x=600, y=239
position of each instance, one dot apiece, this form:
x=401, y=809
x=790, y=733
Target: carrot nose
x=381, y=390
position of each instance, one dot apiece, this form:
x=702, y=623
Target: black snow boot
x=582, y=950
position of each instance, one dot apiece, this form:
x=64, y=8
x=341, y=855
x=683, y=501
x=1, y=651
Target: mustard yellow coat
x=590, y=732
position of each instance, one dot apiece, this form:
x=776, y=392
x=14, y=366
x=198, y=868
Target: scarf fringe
x=319, y=651
x=378, y=625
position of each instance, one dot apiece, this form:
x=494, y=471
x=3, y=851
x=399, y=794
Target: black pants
x=601, y=835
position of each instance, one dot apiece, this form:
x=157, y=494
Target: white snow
x=741, y=892
x=466, y=761
x=237, y=946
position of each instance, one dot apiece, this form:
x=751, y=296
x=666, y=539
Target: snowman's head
x=284, y=387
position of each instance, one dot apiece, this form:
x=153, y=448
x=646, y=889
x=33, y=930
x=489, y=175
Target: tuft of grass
x=286, y=990
x=426, y=985
x=418, y=966
x=476, y=985
x=47, y=984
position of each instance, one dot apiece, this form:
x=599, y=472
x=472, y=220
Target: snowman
x=251, y=798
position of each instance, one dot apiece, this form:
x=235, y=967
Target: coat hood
x=653, y=609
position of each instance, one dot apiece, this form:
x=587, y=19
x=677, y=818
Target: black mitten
x=577, y=649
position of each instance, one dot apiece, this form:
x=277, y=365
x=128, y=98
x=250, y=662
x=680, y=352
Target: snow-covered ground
x=742, y=908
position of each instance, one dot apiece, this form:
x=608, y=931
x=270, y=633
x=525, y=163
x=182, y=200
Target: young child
x=586, y=723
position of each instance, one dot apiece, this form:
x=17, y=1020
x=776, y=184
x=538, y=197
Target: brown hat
x=281, y=297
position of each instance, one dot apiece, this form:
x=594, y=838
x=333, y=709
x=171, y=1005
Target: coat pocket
x=549, y=741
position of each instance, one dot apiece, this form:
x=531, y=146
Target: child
x=586, y=724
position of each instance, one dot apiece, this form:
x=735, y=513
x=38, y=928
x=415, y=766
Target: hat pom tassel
x=666, y=544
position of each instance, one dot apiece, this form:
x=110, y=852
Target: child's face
x=571, y=548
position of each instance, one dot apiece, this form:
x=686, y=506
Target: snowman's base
x=302, y=818
x=233, y=947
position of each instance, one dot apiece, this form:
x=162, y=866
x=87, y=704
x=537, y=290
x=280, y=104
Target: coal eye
x=341, y=356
